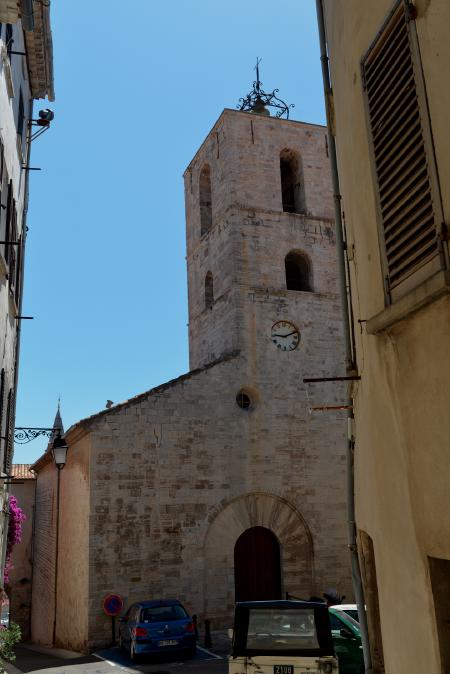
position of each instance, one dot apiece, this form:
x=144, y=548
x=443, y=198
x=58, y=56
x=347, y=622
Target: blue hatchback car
x=157, y=626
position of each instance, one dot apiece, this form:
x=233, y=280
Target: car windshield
x=160, y=614
x=281, y=629
x=353, y=613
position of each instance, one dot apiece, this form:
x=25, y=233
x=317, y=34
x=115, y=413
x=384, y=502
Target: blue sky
x=138, y=87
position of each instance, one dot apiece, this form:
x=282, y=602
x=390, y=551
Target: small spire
x=58, y=427
x=257, y=100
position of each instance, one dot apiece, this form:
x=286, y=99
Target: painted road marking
x=205, y=650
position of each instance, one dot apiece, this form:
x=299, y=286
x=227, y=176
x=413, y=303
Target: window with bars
x=408, y=197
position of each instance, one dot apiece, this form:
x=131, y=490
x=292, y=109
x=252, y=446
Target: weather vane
x=257, y=99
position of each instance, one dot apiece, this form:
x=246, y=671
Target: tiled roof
x=40, y=54
x=21, y=471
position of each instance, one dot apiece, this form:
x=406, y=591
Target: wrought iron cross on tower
x=257, y=100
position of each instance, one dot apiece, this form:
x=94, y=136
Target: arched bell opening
x=205, y=200
x=298, y=271
x=292, y=188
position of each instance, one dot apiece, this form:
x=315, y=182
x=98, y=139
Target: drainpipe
x=32, y=554
x=349, y=347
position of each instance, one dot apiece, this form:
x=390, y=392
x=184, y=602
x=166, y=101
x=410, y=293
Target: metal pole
x=55, y=601
x=349, y=350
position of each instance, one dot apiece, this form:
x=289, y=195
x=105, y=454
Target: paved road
x=113, y=661
x=205, y=662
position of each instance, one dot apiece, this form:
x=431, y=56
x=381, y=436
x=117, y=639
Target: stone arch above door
x=227, y=522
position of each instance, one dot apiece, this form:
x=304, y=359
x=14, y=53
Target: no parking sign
x=112, y=604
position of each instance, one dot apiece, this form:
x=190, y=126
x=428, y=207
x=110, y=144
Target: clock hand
x=288, y=335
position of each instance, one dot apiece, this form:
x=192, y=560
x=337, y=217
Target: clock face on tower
x=285, y=335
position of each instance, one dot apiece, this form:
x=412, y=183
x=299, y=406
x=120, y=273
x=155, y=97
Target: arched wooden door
x=257, y=565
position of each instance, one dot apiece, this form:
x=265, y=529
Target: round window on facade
x=243, y=400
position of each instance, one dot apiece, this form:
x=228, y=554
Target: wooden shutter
x=20, y=116
x=369, y=578
x=2, y=162
x=18, y=273
x=12, y=257
x=9, y=208
x=408, y=201
x=9, y=433
x=2, y=400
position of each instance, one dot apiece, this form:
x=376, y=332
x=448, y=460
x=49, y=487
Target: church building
x=223, y=484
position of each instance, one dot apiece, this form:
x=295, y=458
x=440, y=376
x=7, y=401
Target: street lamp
x=59, y=453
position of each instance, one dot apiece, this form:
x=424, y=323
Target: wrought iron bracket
x=24, y=435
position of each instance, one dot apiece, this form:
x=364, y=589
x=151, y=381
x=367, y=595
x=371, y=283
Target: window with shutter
x=408, y=196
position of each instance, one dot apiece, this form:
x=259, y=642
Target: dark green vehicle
x=347, y=642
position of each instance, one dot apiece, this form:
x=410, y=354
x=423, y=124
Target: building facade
x=25, y=75
x=20, y=574
x=388, y=61
x=222, y=484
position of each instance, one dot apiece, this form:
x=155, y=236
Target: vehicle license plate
x=283, y=669
x=172, y=642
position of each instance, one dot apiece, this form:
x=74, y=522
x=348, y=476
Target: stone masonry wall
x=250, y=234
x=44, y=557
x=164, y=466
x=73, y=570
x=180, y=472
x=19, y=589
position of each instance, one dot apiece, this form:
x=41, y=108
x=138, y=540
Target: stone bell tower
x=265, y=313
x=261, y=245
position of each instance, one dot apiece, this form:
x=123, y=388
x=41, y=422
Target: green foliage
x=9, y=637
